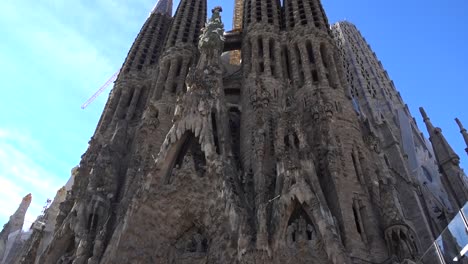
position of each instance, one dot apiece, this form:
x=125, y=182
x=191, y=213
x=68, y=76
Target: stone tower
x=267, y=159
x=389, y=126
x=11, y=232
x=448, y=160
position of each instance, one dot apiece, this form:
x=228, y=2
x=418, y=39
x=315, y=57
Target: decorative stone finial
x=211, y=41
x=423, y=113
x=427, y=121
x=27, y=198
x=463, y=132
x=460, y=125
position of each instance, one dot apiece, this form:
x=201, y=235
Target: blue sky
x=54, y=54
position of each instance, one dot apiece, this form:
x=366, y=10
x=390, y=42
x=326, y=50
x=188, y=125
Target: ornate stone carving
x=372, y=142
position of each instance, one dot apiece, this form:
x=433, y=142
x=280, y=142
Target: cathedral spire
x=448, y=162
x=163, y=7
x=426, y=120
x=442, y=148
x=463, y=132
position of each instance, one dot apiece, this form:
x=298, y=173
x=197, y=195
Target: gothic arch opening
x=186, y=154
x=300, y=228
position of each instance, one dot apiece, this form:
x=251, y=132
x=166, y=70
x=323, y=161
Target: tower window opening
x=323, y=53
x=259, y=10
x=260, y=47
x=272, y=49
x=271, y=45
x=139, y=96
x=179, y=67
x=356, y=220
x=92, y=222
x=166, y=71
x=249, y=12
x=261, y=66
x=153, y=59
x=269, y=12
x=130, y=97
x=215, y=131
x=285, y=58
x=302, y=12
x=315, y=77
x=310, y=52
x=299, y=65
x=291, y=14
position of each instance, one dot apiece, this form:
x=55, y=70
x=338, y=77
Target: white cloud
x=55, y=46
x=21, y=172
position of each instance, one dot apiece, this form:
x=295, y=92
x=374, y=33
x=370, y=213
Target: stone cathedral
x=282, y=140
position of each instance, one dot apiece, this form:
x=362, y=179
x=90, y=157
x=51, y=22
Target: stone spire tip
x=27, y=198
x=463, y=132
x=423, y=113
x=163, y=7
x=460, y=124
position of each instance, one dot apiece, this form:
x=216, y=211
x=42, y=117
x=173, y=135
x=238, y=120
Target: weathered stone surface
x=196, y=160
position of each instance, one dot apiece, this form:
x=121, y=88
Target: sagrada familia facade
x=281, y=141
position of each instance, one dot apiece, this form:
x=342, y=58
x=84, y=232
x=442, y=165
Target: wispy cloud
x=21, y=172
x=49, y=42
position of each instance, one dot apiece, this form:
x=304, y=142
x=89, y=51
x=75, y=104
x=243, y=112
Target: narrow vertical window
x=356, y=220
x=310, y=52
x=299, y=65
x=356, y=168
x=260, y=55
x=258, y=4
x=359, y=217
x=323, y=53
x=215, y=131
x=179, y=67
x=271, y=45
x=285, y=62
x=260, y=47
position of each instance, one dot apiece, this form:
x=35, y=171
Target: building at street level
x=281, y=141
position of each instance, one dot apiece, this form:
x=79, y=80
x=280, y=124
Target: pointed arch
x=176, y=156
x=300, y=225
